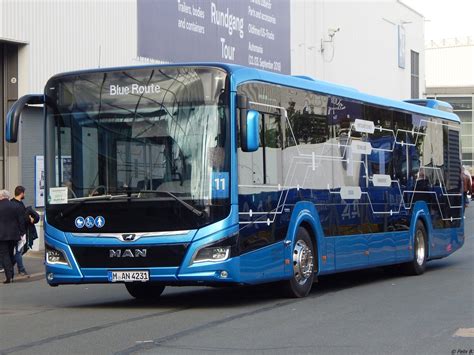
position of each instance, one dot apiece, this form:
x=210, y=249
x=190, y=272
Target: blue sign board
x=99, y=221
x=220, y=185
x=253, y=33
x=401, y=46
x=79, y=222
x=89, y=221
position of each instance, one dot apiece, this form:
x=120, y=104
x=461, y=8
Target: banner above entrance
x=253, y=33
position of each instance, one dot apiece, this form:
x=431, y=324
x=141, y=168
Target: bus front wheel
x=303, y=266
x=418, y=264
x=145, y=290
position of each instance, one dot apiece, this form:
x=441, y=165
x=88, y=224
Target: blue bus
x=217, y=174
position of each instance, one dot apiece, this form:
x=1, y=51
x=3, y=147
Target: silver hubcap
x=420, y=247
x=302, y=262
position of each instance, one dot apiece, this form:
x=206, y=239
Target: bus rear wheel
x=145, y=290
x=303, y=266
x=418, y=265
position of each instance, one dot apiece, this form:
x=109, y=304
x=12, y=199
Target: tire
x=418, y=265
x=145, y=290
x=303, y=266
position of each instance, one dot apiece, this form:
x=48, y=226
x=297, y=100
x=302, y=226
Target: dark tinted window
x=452, y=158
x=415, y=75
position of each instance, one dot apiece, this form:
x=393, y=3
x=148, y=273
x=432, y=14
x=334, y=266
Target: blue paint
x=252, y=131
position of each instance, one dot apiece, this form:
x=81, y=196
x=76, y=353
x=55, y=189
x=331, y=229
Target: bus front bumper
x=63, y=267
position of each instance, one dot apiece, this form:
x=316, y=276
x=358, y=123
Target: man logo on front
x=129, y=237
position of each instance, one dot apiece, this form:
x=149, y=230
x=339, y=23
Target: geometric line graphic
x=302, y=166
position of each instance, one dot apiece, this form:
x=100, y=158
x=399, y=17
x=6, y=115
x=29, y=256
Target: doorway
x=8, y=95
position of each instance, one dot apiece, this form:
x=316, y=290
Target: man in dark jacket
x=18, y=200
x=12, y=226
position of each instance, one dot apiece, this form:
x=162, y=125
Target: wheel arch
x=305, y=215
x=421, y=213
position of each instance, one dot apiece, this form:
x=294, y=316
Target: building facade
x=376, y=47
x=450, y=77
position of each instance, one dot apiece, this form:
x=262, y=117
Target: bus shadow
x=349, y=279
x=197, y=297
x=238, y=296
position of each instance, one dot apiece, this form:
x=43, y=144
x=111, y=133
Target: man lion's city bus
x=213, y=174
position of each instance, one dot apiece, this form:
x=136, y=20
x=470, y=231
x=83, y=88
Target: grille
x=156, y=256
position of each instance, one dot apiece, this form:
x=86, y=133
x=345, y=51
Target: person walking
x=18, y=200
x=467, y=183
x=12, y=227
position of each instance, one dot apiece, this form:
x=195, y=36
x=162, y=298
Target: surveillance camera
x=334, y=30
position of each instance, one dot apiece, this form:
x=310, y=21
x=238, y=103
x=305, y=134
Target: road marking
x=464, y=333
x=83, y=331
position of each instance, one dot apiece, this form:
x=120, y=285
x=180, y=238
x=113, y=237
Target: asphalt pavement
x=364, y=312
x=34, y=266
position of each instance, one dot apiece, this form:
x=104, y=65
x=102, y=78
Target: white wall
x=364, y=52
x=450, y=63
x=68, y=35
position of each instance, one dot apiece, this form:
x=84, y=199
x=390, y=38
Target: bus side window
x=383, y=154
x=272, y=140
x=251, y=164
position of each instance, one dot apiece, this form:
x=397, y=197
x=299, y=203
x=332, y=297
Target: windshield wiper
x=97, y=197
x=184, y=203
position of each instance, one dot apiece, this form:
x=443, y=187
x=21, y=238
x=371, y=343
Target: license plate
x=128, y=276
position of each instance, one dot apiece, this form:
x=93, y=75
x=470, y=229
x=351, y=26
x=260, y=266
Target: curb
x=34, y=254
x=29, y=278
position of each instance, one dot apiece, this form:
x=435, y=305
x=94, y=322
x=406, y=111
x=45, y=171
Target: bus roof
x=240, y=74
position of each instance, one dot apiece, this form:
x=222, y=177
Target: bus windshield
x=154, y=137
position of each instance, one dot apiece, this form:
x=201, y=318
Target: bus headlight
x=55, y=257
x=213, y=253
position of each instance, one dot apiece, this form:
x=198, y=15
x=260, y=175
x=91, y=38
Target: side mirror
x=249, y=138
x=250, y=141
x=13, y=115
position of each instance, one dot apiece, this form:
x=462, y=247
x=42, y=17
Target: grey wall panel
x=70, y=35
x=32, y=132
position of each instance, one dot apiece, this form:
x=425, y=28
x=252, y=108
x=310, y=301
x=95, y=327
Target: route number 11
x=220, y=184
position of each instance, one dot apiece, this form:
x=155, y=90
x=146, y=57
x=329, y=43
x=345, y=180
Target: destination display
x=253, y=33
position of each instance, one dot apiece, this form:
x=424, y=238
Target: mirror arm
x=243, y=106
x=13, y=115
